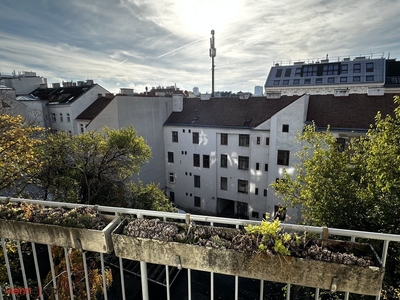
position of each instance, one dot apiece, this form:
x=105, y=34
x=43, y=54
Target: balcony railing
x=169, y=279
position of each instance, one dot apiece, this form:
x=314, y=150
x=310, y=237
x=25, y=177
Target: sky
x=148, y=43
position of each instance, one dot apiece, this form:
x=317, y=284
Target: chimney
x=109, y=95
x=126, y=91
x=99, y=95
x=177, y=102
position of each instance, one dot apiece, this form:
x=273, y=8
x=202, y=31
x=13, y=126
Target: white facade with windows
x=227, y=171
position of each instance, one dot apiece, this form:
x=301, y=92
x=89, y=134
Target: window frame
x=197, y=201
x=170, y=157
x=171, y=177
x=224, y=161
x=243, y=162
x=244, y=140
x=285, y=127
x=369, y=67
x=206, y=161
x=224, y=183
x=357, y=68
x=175, y=138
x=224, y=139
x=196, y=160
x=196, y=181
x=243, y=186
x=283, y=158
x=195, y=137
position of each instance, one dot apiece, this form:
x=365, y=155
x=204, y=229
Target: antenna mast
x=213, y=53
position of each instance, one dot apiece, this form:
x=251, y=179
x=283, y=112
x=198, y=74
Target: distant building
x=23, y=82
x=196, y=91
x=258, y=90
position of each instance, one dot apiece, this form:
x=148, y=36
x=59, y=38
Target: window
x=283, y=157
x=285, y=82
x=344, y=69
x=174, y=136
x=257, y=166
x=170, y=157
x=331, y=69
x=68, y=118
x=183, y=130
x=370, y=78
x=310, y=71
x=276, y=82
x=265, y=192
x=61, y=118
x=224, y=161
x=172, y=196
x=318, y=80
x=285, y=128
x=296, y=81
x=197, y=201
x=340, y=143
x=196, y=181
x=224, y=139
x=243, y=162
x=81, y=128
x=224, y=183
x=255, y=214
x=331, y=79
x=196, y=160
x=297, y=73
x=343, y=79
x=53, y=117
x=288, y=71
x=206, y=161
x=195, y=137
x=307, y=81
x=243, y=186
x=370, y=67
x=171, y=177
x=267, y=141
x=244, y=140
x=356, y=78
x=266, y=167
x=256, y=191
x=258, y=140
x=356, y=68
x=278, y=73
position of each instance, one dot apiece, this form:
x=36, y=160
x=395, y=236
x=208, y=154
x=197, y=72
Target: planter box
x=79, y=238
x=285, y=269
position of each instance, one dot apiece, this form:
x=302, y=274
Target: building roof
x=94, y=109
x=61, y=95
x=357, y=111
x=228, y=112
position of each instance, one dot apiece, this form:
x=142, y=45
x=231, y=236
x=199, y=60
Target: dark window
x=267, y=141
x=256, y=191
x=224, y=161
x=170, y=157
x=244, y=140
x=370, y=78
x=171, y=177
x=255, y=214
x=243, y=162
x=285, y=128
x=330, y=69
x=224, y=183
x=370, y=67
x=331, y=79
x=258, y=140
x=266, y=167
x=318, y=80
x=243, y=186
x=224, y=139
x=206, y=161
x=356, y=68
x=356, y=78
x=174, y=136
x=172, y=196
x=343, y=79
x=285, y=82
x=197, y=201
x=265, y=192
x=196, y=181
x=296, y=81
x=183, y=152
x=298, y=72
x=344, y=69
x=196, y=160
x=183, y=130
x=340, y=143
x=189, y=131
x=276, y=82
x=288, y=71
x=307, y=81
x=309, y=71
x=257, y=166
x=283, y=157
x=195, y=137
x=278, y=73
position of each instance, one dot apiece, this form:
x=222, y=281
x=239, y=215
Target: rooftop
x=61, y=95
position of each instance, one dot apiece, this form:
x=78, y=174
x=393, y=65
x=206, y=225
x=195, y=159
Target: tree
x=358, y=188
x=90, y=168
x=17, y=143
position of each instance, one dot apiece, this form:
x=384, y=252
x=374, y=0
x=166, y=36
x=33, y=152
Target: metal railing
x=144, y=282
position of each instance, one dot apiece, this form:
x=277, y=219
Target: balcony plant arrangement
x=261, y=251
x=82, y=227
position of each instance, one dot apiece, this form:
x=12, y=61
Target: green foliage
x=148, y=197
x=90, y=168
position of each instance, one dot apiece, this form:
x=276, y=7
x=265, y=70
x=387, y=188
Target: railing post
x=143, y=274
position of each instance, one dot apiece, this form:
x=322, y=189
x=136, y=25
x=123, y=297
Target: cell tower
x=213, y=53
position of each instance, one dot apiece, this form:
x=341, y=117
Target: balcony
x=138, y=279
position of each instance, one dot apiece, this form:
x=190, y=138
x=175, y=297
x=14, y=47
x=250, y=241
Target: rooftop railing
x=168, y=278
